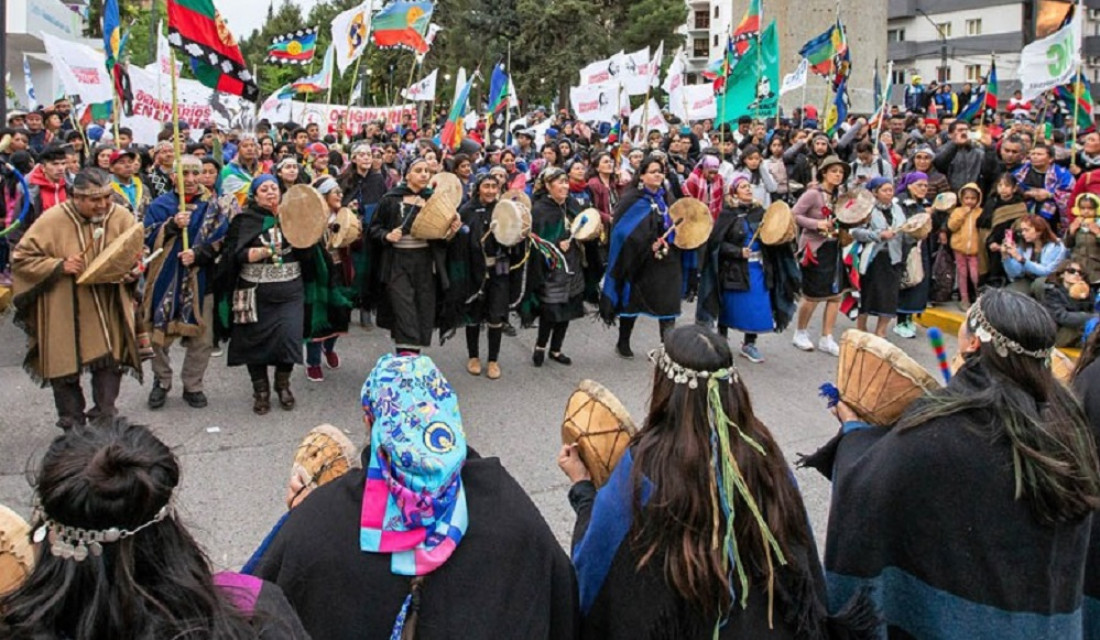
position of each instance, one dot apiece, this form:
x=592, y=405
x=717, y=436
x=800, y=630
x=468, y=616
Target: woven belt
x=264, y=273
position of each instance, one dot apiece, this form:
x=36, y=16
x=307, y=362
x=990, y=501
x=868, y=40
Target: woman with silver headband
x=265, y=307
x=700, y=532
x=484, y=276
x=115, y=560
x=916, y=288
x=555, y=281
x=972, y=512
x=412, y=271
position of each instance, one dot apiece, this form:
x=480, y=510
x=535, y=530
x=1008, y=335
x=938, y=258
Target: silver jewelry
x=1002, y=344
x=75, y=543
x=680, y=374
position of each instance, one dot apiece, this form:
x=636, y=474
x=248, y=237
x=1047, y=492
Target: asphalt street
x=235, y=464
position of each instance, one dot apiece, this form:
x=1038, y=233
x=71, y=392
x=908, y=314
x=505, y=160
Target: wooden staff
x=1076, y=113
x=177, y=149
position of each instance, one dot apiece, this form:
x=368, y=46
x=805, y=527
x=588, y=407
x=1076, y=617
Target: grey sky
x=245, y=15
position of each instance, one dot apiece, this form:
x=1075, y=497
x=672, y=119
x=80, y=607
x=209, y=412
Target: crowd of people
x=701, y=530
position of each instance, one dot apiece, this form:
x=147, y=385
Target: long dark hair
x=1054, y=455
x=677, y=525
x=1088, y=354
x=155, y=584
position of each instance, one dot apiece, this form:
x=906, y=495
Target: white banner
x=595, y=102
x=602, y=71
x=423, y=91
x=328, y=114
x=80, y=68
x=635, y=71
x=694, y=102
x=797, y=79
x=349, y=34
x=198, y=105
x=654, y=119
x=1052, y=61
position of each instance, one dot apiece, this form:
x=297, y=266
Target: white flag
x=429, y=38
x=28, y=84
x=1052, y=61
x=634, y=71
x=603, y=70
x=654, y=119
x=81, y=69
x=797, y=79
x=350, y=31
x=655, y=65
x=694, y=102
x=423, y=91
x=513, y=97
x=595, y=102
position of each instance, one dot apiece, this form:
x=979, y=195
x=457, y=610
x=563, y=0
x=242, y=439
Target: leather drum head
x=693, y=223
x=303, y=216
x=448, y=186
x=776, y=224
x=16, y=550
x=348, y=229
x=855, y=207
x=586, y=225
x=511, y=223
x=117, y=259
x=516, y=195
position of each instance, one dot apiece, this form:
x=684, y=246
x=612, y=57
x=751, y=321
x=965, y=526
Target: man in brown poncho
x=73, y=328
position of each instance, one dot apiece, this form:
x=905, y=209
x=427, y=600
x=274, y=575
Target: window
x=895, y=35
x=716, y=39
x=702, y=19
x=945, y=29
x=898, y=77
x=973, y=27
x=943, y=74
x=699, y=48
x=973, y=73
x=716, y=12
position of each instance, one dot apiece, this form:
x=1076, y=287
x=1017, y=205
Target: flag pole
x=981, y=116
x=508, y=98
x=882, y=107
x=344, y=135
x=1077, y=89
x=177, y=148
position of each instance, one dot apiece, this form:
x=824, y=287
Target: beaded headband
x=987, y=333
x=92, y=191
x=682, y=375
x=75, y=543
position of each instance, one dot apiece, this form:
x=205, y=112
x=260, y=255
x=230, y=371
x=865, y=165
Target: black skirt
x=276, y=336
x=821, y=274
x=492, y=304
x=411, y=292
x=878, y=288
x=562, y=294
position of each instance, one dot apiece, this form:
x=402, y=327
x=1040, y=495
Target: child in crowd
x=963, y=225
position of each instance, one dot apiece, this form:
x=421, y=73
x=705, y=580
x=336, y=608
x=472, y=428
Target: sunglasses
x=1074, y=271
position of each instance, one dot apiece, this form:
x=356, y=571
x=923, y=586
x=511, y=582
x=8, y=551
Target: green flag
x=752, y=87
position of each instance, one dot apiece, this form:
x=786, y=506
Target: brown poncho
x=71, y=329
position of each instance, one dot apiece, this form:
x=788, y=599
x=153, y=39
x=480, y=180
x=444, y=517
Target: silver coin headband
x=1002, y=344
x=682, y=375
x=75, y=543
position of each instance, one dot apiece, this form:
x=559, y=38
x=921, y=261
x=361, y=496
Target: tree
x=651, y=21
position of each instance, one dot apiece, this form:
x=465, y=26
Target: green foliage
x=550, y=41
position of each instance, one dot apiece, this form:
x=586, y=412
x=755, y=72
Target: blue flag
x=28, y=82
x=112, y=34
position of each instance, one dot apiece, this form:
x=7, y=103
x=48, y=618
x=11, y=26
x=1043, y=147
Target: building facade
x=954, y=41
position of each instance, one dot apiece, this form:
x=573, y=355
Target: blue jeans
x=313, y=351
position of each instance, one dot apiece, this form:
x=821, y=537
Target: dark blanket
x=366, y=191
x=468, y=256
x=508, y=578
x=552, y=293
x=1087, y=386
x=637, y=282
x=619, y=601
x=927, y=518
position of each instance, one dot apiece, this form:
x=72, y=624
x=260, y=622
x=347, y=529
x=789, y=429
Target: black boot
x=261, y=396
x=282, y=389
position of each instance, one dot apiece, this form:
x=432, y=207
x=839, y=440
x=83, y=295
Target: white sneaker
x=827, y=345
x=905, y=330
x=802, y=341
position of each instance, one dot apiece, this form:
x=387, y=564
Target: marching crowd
x=700, y=530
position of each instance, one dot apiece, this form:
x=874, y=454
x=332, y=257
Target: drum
x=433, y=222
x=693, y=223
x=778, y=226
x=919, y=226
x=324, y=455
x=117, y=259
x=600, y=426
x=586, y=226
x=348, y=229
x=303, y=216
x=515, y=195
x=511, y=223
x=447, y=185
x=855, y=207
x=16, y=550
x=945, y=201
x=1062, y=367
x=877, y=379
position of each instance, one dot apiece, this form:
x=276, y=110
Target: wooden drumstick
x=96, y=235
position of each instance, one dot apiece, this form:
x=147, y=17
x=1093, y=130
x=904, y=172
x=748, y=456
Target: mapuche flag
x=824, y=51
x=748, y=28
x=293, y=48
x=403, y=24
x=197, y=29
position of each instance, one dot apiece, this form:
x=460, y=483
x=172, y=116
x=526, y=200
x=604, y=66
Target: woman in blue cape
x=700, y=532
x=644, y=272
